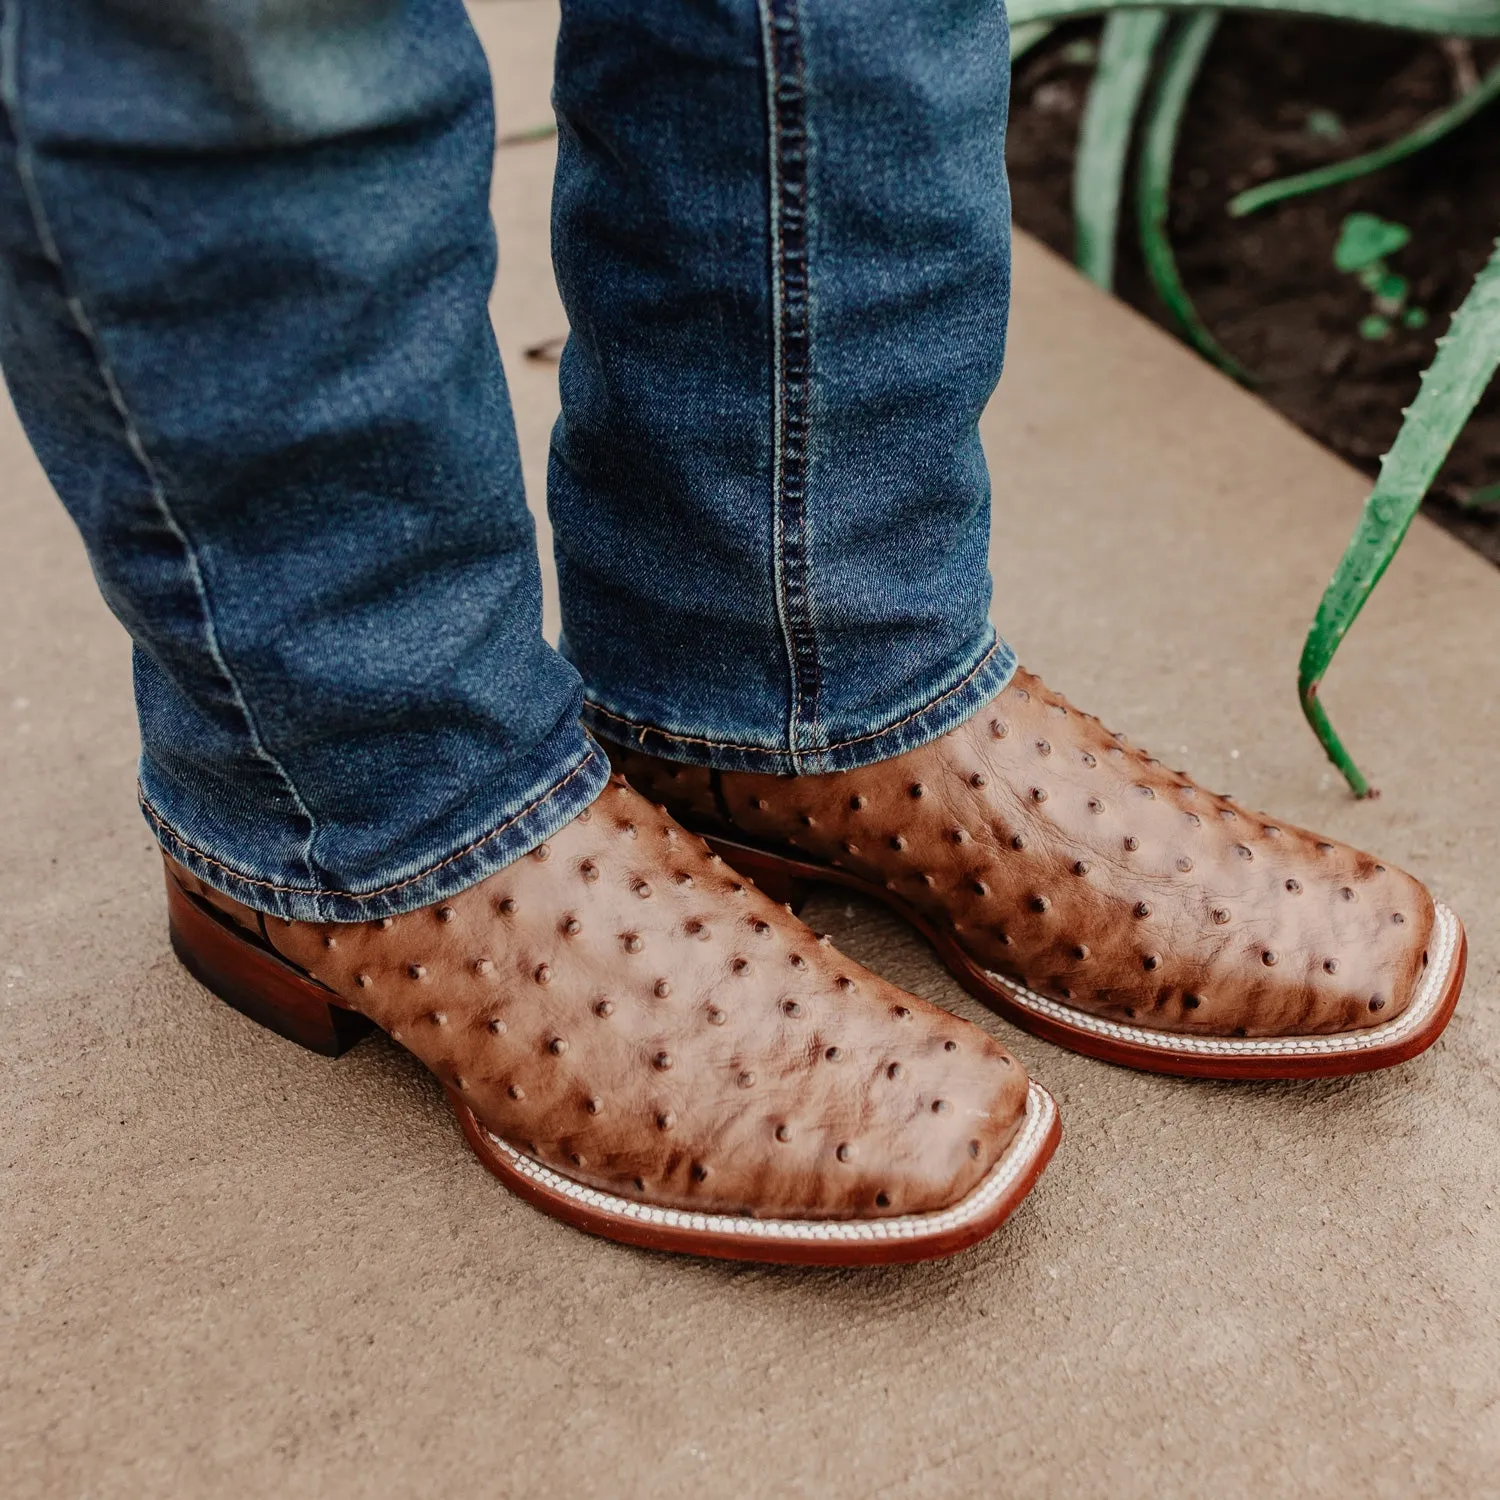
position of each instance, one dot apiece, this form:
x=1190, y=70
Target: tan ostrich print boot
x=1101, y=900
x=643, y=1044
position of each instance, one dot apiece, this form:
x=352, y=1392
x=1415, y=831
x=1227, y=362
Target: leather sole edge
x=1415, y=1029
x=1173, y=1053
x=810, y=1242
x=262, y=985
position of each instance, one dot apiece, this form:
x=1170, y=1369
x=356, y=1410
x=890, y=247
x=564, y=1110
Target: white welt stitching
x=1443, y=950
x=1040, y=1110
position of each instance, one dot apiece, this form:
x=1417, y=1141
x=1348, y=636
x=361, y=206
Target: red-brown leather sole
x=1396, y=1041
x=801, y=1242
x=257, y=982
x=260, y=984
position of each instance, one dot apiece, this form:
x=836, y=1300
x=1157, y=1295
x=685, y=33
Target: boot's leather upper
x=625, y=1008
x=1059, y=856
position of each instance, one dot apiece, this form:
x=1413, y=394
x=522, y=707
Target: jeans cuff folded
x=953, y=696
x=412, y=882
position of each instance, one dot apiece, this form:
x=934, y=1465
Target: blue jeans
x=245, y=252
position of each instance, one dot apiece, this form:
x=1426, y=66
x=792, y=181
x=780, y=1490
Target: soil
x=1266, y=285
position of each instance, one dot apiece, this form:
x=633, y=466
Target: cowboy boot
x=639, y=1042
x=1090, y=895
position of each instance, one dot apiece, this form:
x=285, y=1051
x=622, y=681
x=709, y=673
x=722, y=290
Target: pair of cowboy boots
x=640, y=1037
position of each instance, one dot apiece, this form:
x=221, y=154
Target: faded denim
x=245, y=252
x=783, y=239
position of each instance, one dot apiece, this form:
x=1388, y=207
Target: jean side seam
x=41, y=224
x=791, y=362
x=163, y=827
x=860, y=739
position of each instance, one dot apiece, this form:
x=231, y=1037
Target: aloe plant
x=1364, y=242
x=1471, y=18
x=1466, y=360
x=1131, y=51
x=1024, y=38
x=1184, y=58
x=1125, y=53
x=1488, y=494
x=1428, y=133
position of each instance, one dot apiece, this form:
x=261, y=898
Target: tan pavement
x=230, y=1268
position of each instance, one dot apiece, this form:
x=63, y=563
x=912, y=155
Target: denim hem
x=949, y=704
x=583, y=778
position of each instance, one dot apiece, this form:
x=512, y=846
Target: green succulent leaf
x=1184, y=58
x=1083, y=53
x=1432, y=129
x=1466, y=360
x=1471, y=18
x=1488, y=494
x=1024, y=37
x=1392, y=288
x=1126, y=50
x=1324, y=124
x=1365, y=240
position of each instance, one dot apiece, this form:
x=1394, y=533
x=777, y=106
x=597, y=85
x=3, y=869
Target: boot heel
x=256, y=982
x=776, y=877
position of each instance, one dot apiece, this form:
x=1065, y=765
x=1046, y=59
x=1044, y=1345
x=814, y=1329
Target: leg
x=243, y=278
x=788, y=297
x=243, y=311
x=770, y=505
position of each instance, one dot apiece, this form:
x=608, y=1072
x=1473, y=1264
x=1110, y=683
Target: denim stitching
x=163, y=827
x=133, y=441
x=791, y=361
x=859, y=739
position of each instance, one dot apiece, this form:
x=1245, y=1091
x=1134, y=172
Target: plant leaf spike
x=1466, y=359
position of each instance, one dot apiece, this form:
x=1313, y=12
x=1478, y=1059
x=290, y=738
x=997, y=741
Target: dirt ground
x=1277, y=97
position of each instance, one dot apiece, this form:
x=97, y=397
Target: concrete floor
x=228, y=1267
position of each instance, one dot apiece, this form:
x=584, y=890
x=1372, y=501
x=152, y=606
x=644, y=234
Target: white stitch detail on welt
x=1434, y=982
x=1022, y=1152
